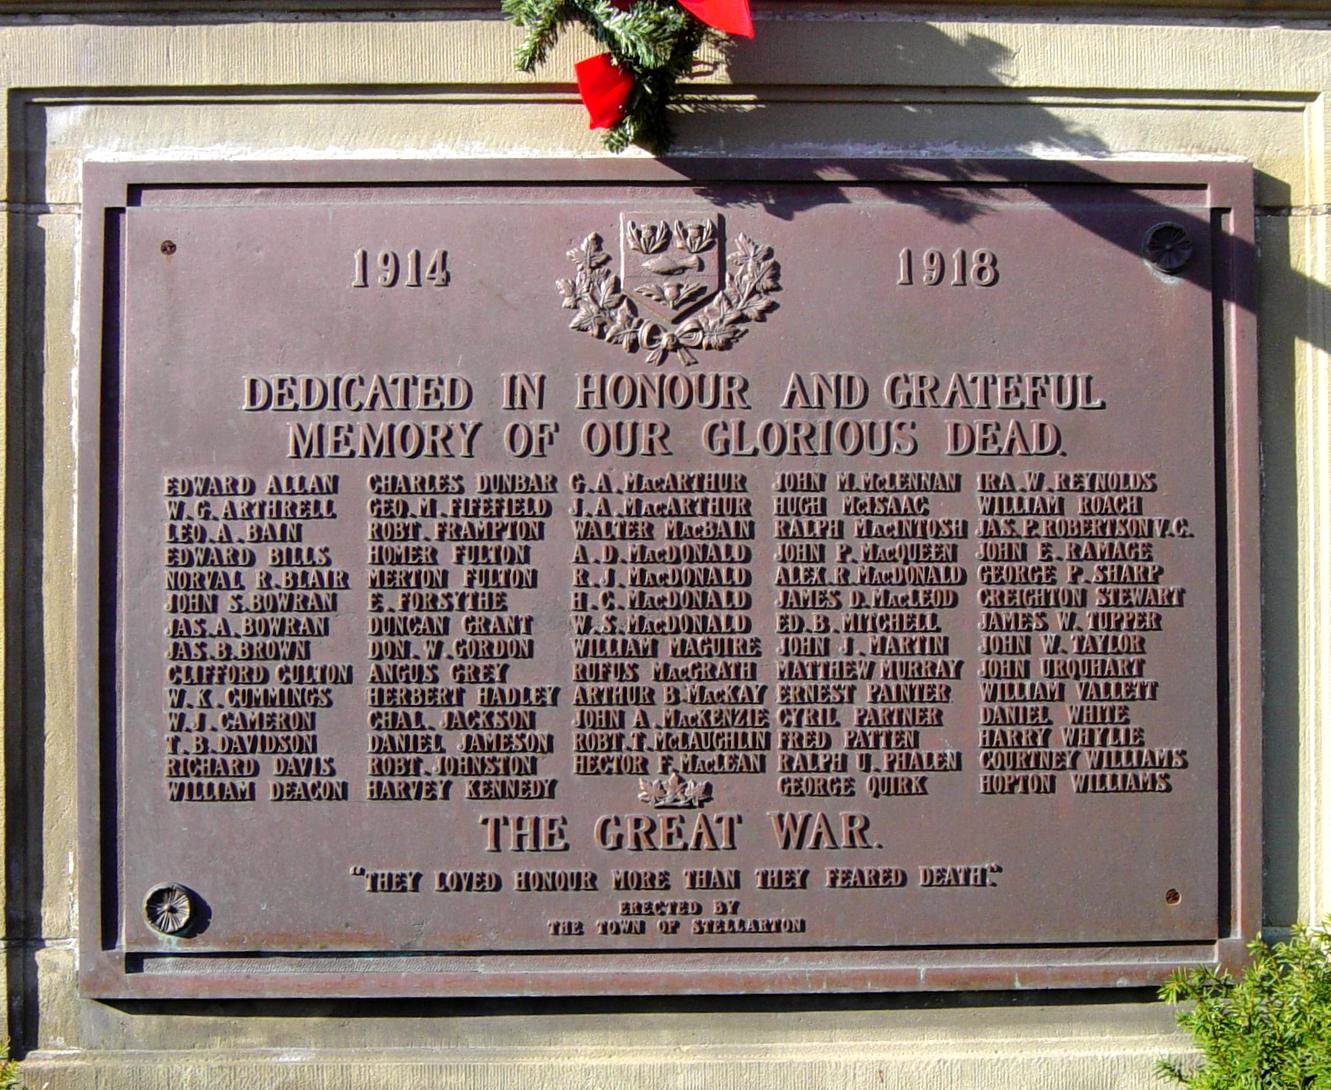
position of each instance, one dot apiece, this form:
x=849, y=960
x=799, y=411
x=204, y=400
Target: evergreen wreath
x=650, y=46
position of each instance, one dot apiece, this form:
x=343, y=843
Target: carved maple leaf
x=624, y=329
x=605, y=293
x=588, y=253
x=674, y=791
x=588, y=319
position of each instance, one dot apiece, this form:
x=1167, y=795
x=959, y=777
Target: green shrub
x=8, y=1070
x=1268, y=1030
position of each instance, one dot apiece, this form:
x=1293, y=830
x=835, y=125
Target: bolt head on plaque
x=672, y=270
x=1168, y=247
x=168, y=908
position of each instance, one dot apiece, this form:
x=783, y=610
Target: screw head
x=1172, y=897
x=1168, y=247
x=168, y=908
x=168, y=247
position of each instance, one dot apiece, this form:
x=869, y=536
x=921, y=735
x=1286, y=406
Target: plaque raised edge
x=106, y=971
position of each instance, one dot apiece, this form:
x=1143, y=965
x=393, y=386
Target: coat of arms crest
x=675, y=294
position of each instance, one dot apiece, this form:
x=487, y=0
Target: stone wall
x=318, y=80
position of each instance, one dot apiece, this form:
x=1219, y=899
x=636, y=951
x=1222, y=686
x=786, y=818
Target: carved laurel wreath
x=607, y=313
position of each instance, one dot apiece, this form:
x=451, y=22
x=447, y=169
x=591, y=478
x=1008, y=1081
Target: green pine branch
x=656, y=88
x=543, y=19
x=656, y=43
x=645, y=36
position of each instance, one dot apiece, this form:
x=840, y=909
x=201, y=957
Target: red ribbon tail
x=730, y=16
x=605, y=90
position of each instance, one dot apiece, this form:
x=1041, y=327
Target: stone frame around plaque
x=107, y=970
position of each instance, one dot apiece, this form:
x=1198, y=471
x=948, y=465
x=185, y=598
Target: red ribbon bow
x=731, y=16
x=605, y=90
x=605, y=87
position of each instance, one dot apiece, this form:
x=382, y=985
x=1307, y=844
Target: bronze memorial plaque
x=547, y=578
